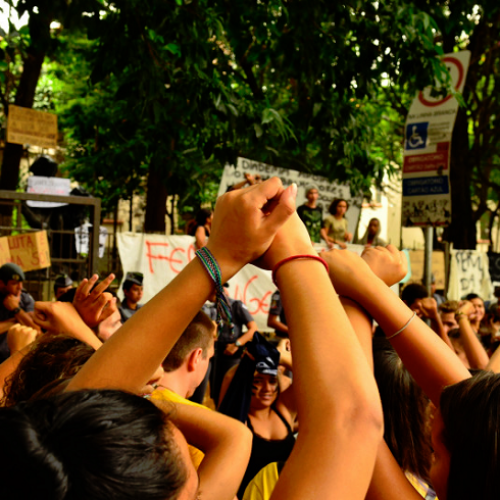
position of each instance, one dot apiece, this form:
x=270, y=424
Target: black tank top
x=266, y=451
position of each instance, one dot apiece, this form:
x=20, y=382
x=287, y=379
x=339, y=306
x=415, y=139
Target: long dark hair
x=333, y=205
x=50, y=358
x=405, y=411
x=98, y=444
x=471, y=415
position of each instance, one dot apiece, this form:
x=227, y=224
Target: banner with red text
x=161, y=258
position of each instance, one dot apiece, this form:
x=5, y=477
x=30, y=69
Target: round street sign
x=457, y=75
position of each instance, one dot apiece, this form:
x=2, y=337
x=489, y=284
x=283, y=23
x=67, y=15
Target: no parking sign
x=426, y=166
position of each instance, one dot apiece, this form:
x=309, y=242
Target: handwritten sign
x=328, y=191
x=47, y=185
x=161, y=258
x=29, y=251
x=27, y=126
x=469, y=273
x=494, y=259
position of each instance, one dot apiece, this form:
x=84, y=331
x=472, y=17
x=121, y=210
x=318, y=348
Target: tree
x=35, y=46
x=292, y=85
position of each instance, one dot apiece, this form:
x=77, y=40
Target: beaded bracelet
x=294, y=257
x=404, y=327
x=213, y=269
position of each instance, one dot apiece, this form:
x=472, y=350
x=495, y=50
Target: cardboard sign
x=29, y=251
x=417, y=258
x=27, y=126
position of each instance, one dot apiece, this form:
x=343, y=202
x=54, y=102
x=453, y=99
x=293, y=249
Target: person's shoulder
x=26, y=300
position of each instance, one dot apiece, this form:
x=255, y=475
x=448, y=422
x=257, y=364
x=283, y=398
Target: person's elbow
x=366, y=417
x=361, y=416
x=271, y=321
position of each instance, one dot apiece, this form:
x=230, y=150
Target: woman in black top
x=268, y=408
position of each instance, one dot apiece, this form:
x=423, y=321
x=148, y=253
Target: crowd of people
x=360, y=394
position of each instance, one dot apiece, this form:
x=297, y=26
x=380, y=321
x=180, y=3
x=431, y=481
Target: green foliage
x=198, y=84
x=184, y=87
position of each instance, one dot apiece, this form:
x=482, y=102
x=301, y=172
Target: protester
x=132, y=290
x=231, y=339
x=312, y=215
x=467, y=419
x=201, y=231
x=490, y=328
x=62, y=284
x=406, y=412
x=250, y=179
x=99, y=428
x=16, y=304
x=276, y=318
x=477, y=315
x=415, y=296
x=255, y=393
x=435, y=295
x=334, y=230
x=185, y=367
x=372, y=235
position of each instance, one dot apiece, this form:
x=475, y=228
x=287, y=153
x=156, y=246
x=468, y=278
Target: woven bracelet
x=213, y=270
x=295, y=257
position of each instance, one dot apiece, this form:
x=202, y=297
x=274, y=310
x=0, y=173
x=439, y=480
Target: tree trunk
x=463, y=229
x=156, y=203
x=9, y=176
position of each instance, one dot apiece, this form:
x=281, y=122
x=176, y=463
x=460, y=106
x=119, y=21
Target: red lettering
x=176, y=261
x=35, y=259
x=254, y=304
x=152, y=257
x=191, y=252
x=176, y=264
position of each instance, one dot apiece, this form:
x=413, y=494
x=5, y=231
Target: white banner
x=47, y=185
x=428, y=131
x=469, y=273
x=161, y=258
x=328, y=191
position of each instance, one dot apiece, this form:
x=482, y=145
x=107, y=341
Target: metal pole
x=94, y=242
x=429, y=233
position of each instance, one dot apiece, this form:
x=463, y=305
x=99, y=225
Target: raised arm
x=431, y=362
x=473, y=348
x=225, y=441
x=388, y=481
x=245, y=222
x=429, y=309
x=336, y=394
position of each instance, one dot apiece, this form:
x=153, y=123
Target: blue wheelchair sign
x=416, y=135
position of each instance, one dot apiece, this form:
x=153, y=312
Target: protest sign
x=161, y=258
x=27, y=126
x=426, y=165
x=417, y=258
x=494, y=260
x=82, y=239
x=328, y=191
x=469, y=273
x=29, y=251
x=47, y=185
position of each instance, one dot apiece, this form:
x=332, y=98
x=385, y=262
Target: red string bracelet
x=294, y=257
